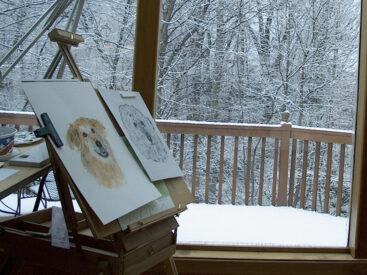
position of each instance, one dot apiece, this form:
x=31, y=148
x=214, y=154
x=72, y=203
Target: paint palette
x=25, y=138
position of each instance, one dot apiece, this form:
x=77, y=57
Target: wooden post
x=146, y=51
x=284, y=159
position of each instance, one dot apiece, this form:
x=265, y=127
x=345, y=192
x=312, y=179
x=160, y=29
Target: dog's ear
x=73, y=137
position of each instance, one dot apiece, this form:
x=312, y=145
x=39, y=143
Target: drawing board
x=97, y=159
x=140, y=129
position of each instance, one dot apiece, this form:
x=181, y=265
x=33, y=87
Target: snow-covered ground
x=245, y=225
x=260, y=225
x=27, y=204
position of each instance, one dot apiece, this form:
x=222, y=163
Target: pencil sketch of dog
x=88, y=136
x=143, y=134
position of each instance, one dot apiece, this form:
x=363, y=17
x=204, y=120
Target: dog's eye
x=92, y=130
x=85, y=134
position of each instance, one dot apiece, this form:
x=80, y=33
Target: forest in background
x=242, y=61
x=249, y=61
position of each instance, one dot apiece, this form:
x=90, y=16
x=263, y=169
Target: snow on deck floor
x=260, y=225
x=245, y=225
x=27, y=205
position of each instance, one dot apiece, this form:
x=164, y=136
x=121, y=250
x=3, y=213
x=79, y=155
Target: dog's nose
x=98, y=143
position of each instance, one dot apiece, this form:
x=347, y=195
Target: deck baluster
x=316, y=177
x=328, y=176
x=304, y=174
x=221, y=166
x=340, y=180
x=194, y=165
x=182, y=147
x=262, y=171
x=275, y=172
x=235, y=160
x=248, y=172
x=168, y=140
x=207, y=176
x=292, y=172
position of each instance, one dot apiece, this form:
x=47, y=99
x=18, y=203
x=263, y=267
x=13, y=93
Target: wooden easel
x=145, y=243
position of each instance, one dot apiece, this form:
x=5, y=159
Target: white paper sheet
x=95, y=156
x=58, y=230
x=140, y=129
x=5, y=173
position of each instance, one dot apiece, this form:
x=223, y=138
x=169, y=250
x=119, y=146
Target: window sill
x=283, y=261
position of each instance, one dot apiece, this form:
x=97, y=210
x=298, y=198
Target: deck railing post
x=284, y=159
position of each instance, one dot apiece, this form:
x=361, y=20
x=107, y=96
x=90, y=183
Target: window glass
x=267, y=65
x=105, y=57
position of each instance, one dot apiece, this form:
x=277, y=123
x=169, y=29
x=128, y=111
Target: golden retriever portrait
x=88, y=136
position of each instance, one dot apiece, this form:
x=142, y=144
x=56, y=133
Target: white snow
x=244, y=225
x=27, y=204
x=192, y=123
x=260, y=226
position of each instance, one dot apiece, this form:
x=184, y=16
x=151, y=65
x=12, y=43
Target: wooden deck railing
x=296, y=166
x=295, y=153
x=19, y=120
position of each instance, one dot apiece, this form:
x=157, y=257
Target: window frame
x=144, y=80
x=358, y=212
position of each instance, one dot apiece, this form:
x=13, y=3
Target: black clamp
x=48, y=130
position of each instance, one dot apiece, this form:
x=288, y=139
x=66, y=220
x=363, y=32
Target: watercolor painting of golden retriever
x=88, y=136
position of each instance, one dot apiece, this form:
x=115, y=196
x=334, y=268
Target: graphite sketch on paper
x=143, y=134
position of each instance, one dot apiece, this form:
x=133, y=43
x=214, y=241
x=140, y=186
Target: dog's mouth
x=101, y=150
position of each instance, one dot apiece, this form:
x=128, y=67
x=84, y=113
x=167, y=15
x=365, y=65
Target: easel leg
x=170, y=266
x=39, y=194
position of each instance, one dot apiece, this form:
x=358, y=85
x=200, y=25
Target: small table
x=24, y=176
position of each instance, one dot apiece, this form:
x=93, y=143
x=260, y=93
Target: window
x=249, y=62
x=105, y=57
